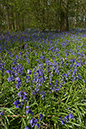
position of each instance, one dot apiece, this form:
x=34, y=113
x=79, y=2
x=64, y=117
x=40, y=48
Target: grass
x=47, y=72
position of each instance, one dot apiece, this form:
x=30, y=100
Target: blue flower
x=70, y=116
x=78, y=77
x=62, y=61
x=33, y=92
x=31, y=122
x=18, y=84
x=35, y=120
x=10, y=79
x=27, y=106
x=29, y=111
x=20, y=106
x=16, y=103
x=40, y=72
x=9, y=72
x=40, y=116
x=1, y=113
x=43, y=95
x=16, y=57
x=63, y=123
x=74, y=71
x=27, y=59
x=37, y=90
x=17, y=79
x=37, y=125
x=58, y=88
x=22, y=95
x=51, y=85
x=27, y=78
x=27, y=127
x=67, y=118
x=28, y=71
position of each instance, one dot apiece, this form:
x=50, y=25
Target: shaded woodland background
x=58, y=15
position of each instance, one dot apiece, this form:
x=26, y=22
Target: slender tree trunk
x=15, y=21
x=12, y=21
x=23, y=26
x=67, y=20
x=1, y=17
x=8, y=19
x=85, y=20
x=62, y=17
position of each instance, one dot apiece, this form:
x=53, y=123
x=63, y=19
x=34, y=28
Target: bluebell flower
x=16, y=103
x=19, y=68
x=31, y=81
x=43, y=95
x=17, y=79
x=42, y=58
x=20, y=106
x=74, y=71
x=22, y=103
x=27, y=106
x=40, y=116
x=27, y=53
x=51, y=85
x=27, y=78
x=8, y=71
x=63, y=123
x=27, y=127
x=62, y=61
x=36, y=125
x=37, y=90
x=20, y=54
x=37, y=60
x=78, y=77
x=44, y=78
x=27, y=59
x=85, y=63
x=35, y=120
x=11, y=78
x=67, y=118
x=58, y=88
x=1, y=113
x=29, y=111
x=71, y=116
x=56, y=82
x=40, y=72
x=22, y=94
x=28, y=71
x=16, y=57
x=31, y=122
x=18, y=85
x=77, y=65
x=33, y=92
x=38, y=84
x=16, y=74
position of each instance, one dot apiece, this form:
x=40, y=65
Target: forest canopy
x=59, y=15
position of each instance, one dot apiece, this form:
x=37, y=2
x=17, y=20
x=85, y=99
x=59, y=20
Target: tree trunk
x=23, y=26
x=12, y=21
x=67, y=20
